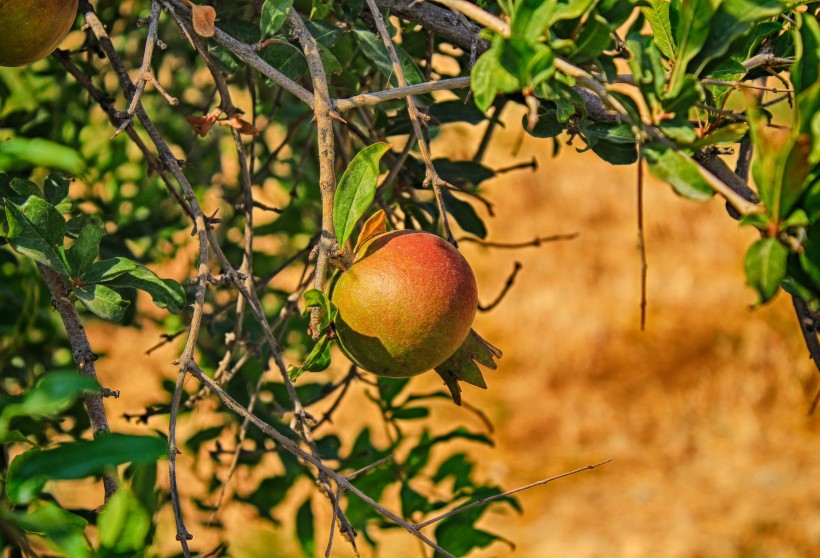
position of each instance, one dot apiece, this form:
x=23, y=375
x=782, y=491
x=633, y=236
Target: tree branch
x=84, y=358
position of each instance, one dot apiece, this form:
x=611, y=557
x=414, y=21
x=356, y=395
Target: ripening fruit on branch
x=32, y=29
x=405, y=305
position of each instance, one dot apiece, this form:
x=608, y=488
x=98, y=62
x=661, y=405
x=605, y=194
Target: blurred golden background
x=703, y=414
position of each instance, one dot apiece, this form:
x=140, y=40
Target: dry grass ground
x=703, y=414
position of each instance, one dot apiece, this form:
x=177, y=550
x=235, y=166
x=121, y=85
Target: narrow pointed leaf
x=356, y=190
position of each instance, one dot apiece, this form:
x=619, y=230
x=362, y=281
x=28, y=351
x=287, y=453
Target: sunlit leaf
x=357, y=189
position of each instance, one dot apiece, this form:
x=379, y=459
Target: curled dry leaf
x=202, y=124
x=203, y=19
x=240, y=124
x=376, y=224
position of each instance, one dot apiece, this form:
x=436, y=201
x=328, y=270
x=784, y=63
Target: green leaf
x=457, y=466
x=56, y=188
x=319, y=357
x=782, y=167
x=462, y=365
x=687, y=94
x=61, y=529
x=411, y=501
x=733, y=19
x=657, y=14
x=106, y=270
x=274, y=14
x=123, y=524
x=84, y=251
x=286, y=58
x=489, y=77
x=531, y=17
x=41, y=153
x=304, y=529
x=356, y=190
x=53, y=393
x=731, y=133
x=320, y=9
x=166, y=293
x=411, y=413
x=374, y=49
x=464, y=214
x=482, y=82
x=316, y=298
x=690, y=33
x=21, y=190
x=84, y=458
x=14, y=437
x=36, y=230
x=766, y=266
x=547, y=126
x=678, y=170
x=594, y=37
x=241, y=30
x=22, y=491
x=102, y=301
x=806, y=69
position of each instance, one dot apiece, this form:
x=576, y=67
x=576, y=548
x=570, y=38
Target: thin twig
x=538, y=241
x=485, y=501
x=507, y=286
x=377, y=97
x=642, y=240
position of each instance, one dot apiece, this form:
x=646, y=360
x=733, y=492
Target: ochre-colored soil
x=704, y=414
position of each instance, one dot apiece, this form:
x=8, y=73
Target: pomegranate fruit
x=32, y=29
x=405, y=305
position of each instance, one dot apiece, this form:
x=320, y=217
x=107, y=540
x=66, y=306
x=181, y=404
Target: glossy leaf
x=678, y=170
x=55, y=188
x=356, y=190
x=316, y=298
x=766, y=266
x=107, y=270
x=274, y=14
x=36, y=230
x=530, y=18
x=166, y=293
x=374, y=49
x=102, y=301
x=84, y=251
x=657, y=14
x=691, y=32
